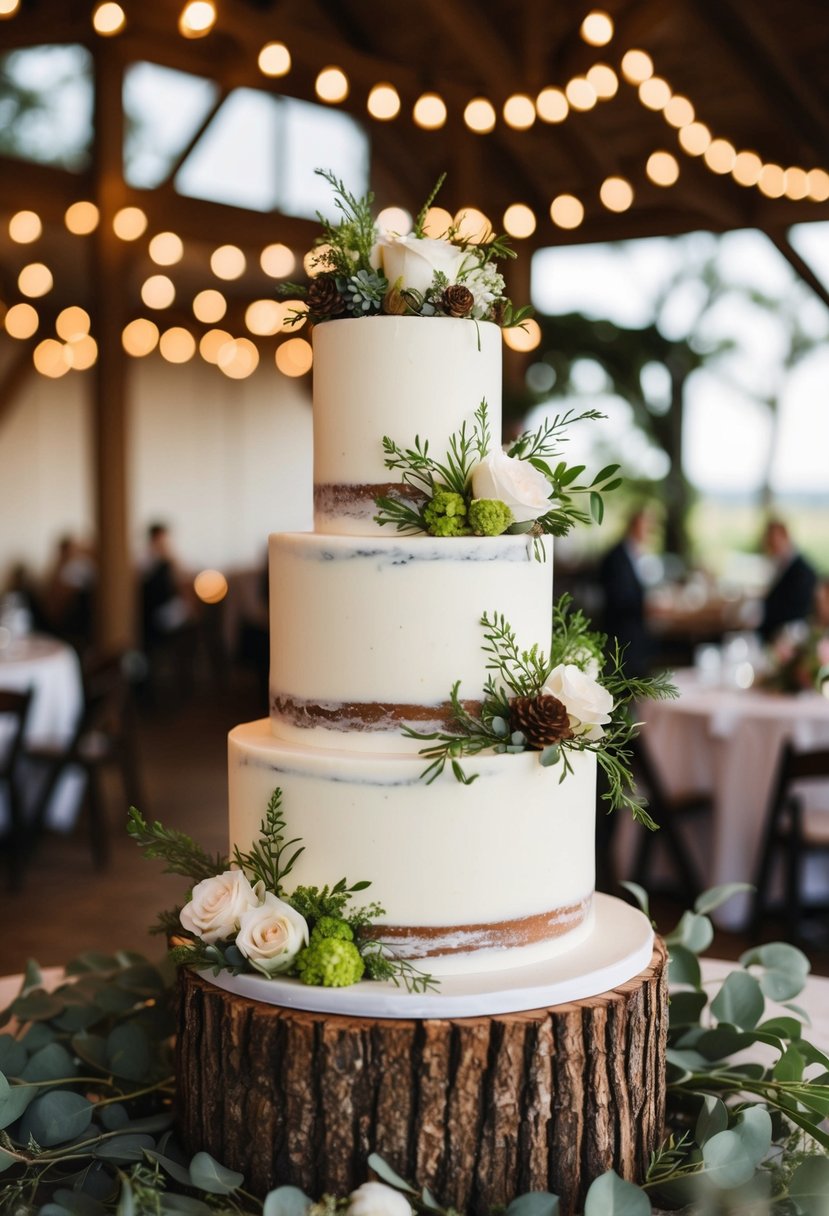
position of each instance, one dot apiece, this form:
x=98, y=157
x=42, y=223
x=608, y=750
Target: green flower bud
x=445, y=514
x=332, y=926
x=330, y=962
x=489, y=516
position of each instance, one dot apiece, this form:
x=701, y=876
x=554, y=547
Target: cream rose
x=377, y=1199
x=217, y=904
x=588, y=704
x=524, y=489
x=272, y=935
x=414, y=260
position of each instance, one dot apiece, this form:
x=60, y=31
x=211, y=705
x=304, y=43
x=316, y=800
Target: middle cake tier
x=369, y=634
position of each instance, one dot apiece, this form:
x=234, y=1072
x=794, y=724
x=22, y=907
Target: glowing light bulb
x=662, y=168
x=177, y=345
x=166, y=249
x=209, y=306
x=437, y=222
x=8, y=8
x=383, y=102
x=429, y=112
x=566, y=211
x=51, y=358
x=551, y=105
x=139, y=337
x=210, y=586
x=211, y=344
x=479, y=115
x=277, y=261
x=636, y=66
x=82, y=353
x=597, y=28
x=616, y=193
x=580, y=93
x=523, y=337
x=519, y=112
x=25, y=227
x=108, y=19
x=294, y=357
x=818, y=181
x=654, y=93
x=264, y=317
x=72, y=324
x=678, y=111
x=274, y=59
x=519, y=220
x=238, y=358
x=720, y=156
x=472, y=225
x=158, y=291
x=796, y=183
x=21, y=321
x=129, y=223
x=81, y=218
x=694, y=138
x=35, y=280
x=746, y=169
x=332, y=85
x=228, y=262
x=772, y=181
x=603, y=79
x=197, y=19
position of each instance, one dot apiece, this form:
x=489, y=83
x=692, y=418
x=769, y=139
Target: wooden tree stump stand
x=479, y=1109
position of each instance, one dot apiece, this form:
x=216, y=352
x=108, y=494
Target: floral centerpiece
x=359, y=271
x=239, y=917
x=798, y=659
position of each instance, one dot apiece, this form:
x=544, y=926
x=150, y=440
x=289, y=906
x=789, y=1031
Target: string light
x=212, y=342
x=228, y=262
x=662, y=168
x=210, y=586
x=8, y=8
x=746, y=168
x=394, y=219
x=25, y=227
x=129, y=223
x=264, y=317
x=796, y=183
x=139, y=337
x=51, y=358
x=277, y=261
x=274, y=59
x=158, y=291
x=519, y=112
x=437, y=222
x=429, y=112
x=72, y=324
x=332, y=85
x=473, y=226
x=238, y=358
x=603, y=79
x=772, y=181
x=197, y=19
x=209, y=306
x=524, y=337
x=479, y=115
x=383, y=102
x=21, y=321
x=720, y=156
x=551, y=105
x=35, y=280
x=694, y=138
x=678, y=111
x=82, y=352
x=654, y=93
x=616, y=193
x=580, y=93
x=81, y=218
x=636, y=66
x=818, y=182
x=519, y=221
x=108, y=19
x=294, y=357
x=566, y=211
x=597, y=28
x=177, y=345
x=166, y=249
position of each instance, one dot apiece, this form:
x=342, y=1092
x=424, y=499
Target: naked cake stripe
x=364, y=715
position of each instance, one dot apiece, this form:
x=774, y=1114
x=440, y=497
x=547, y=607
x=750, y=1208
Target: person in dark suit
x=791, y=595
x=624, y=595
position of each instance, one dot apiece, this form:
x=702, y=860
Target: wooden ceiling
x=756, y=72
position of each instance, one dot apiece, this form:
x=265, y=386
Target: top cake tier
x=402, y=377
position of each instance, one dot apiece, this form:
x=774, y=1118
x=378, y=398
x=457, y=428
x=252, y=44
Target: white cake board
x=618, y=948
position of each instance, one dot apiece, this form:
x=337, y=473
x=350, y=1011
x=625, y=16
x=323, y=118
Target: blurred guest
x=624, y=594
x=166, y=604
x=68, y=599
x=791, y=595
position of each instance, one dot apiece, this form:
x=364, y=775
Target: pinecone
x=457, y=300
x=323, y=298
x=543, y=720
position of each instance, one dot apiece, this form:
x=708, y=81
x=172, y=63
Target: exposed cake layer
x=370, y=634
x=471, y=877
x=398, y=376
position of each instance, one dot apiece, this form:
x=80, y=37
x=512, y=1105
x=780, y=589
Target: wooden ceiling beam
x=780, y=239
x=14, y=376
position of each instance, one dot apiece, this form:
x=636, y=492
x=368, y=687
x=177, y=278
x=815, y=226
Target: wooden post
x=479, y=1109
x=115, y=619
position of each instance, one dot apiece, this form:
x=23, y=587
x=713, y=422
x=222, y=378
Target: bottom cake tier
x=472, y=878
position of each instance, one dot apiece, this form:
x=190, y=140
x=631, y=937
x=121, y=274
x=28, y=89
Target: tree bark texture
x=478, y=1109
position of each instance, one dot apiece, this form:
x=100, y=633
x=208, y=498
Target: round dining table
x=727, y=741
x=53, y=672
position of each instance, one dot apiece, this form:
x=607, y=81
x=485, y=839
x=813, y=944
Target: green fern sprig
x=181, y=854
x=543, y=441
x=314, y=902
x=382, y=966
x=264, y=860
x=405, y=518
x=420, y=222
x=523, y=671
x=356, y=232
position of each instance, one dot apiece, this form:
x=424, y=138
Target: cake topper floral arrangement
x=479, y=489
x=359, y=271
x=240, y=918
x=554, y=705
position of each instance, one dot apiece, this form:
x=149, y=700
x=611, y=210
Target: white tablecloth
x=728, y=742
x=52, y=670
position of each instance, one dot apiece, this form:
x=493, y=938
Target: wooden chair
x=668, y=811
x=792, y=833
x=104, y=738
x=14, y=710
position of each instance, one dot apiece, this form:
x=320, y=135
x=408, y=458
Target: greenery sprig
x=87, y=1087
x=263, y=861
x=523, y=674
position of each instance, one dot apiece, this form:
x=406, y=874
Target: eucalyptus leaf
x=77, y=1017
x=79, y=1203
x=549, y=755
x=784, y=969
x=639, y=894
x=92, y=1049
x=790, y=1066
x=717, y=896
x=535, y=1203
x=695, y=932
x=37, y=1006
x=286, y=1201
x=128, y=1051
x=13, y=1056
x=37, y=1036
x=685, y=1008
x=809, y=1186
x=32, y=977
x=799, y=1012
x=13, y=1102
x=386, y=1174
x=179, y=1173
x=711, y=1120
x=55, y=1117
x=724, y=1040
x=684, y=967
x=114, y=1000
x=126, y=1200
x=785, y=1028
x=728, y=1162
x=142, y=980
x=753, y=1127
x=610, y=1195
x=688, y=1061
x=51, y=1063
x=114, y=1117
x=739, y=1001
x=208, y=1174
x=128, y=1147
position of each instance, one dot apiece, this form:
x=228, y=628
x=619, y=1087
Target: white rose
x=588, y=704
x=414, y=260
x=377, y=1199
x=272, y=935
x=217, y=904
x=524, y=489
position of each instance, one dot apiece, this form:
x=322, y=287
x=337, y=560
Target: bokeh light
x=332, y=85
x=519, y=220
x=158, y=291
x=82, y=353
x=21, y=321
x=238, y=358
x=294, y=357
x=479, y=115
x=523, y=337
x=129, y=223
x=209, y=306
x=383, y=102
x=429, y=111
x=551, y=105
x=212, y=342
x=437, y=222
x=81, y=218
x=472, y=225
x=580, y=93
x=264, y=317
x=210, y=586
x=603, y=79
x=616, y=193
x=636, y=66
x=566, y=211
x=274, y=59
x=139, y=337
x=177, y=345
x=662, y=168
x=394, y=219
x=228, y=262
x=51, y=358
x=72, y=324
x=519, y=112
x=35, y=280
x=597, y=28
x=166, y=249
x=277, y=261
x=108, y=19
x=197, y=18
x=25, y=227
